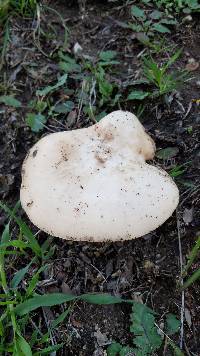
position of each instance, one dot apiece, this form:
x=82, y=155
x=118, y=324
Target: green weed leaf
x=107, y=56
x=105, y=88
x=137, y=12
x=177, y=351
x=69, y=67
x=177, y=171
x=167, y=153
x=49, y=350
x=137, y=95
x=173, y=324
x=146, y=337
x=160, y=28
x=143, y=38
x=156, y=15
x=10, y=101
x=61, y=81
x=36, y=121
x=100, y=115
x=168, y=21
x=114, y=349
x=64, y=108
x=128, y=351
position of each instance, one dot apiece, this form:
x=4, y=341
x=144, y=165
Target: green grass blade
x=19, y=276
x=100, y=299
x=34, y=245
x=60, y=318
x=192, y=256
x=7, y=303
x=46, y=300
x=61, y=81
x=6, y=235
x=173, y=59
x=15, y=243
x=192, y=279
x=49, y=349
x=5, y=43
x=23, y=346
x=24, y=230
x=34, y=280
x=10, y=252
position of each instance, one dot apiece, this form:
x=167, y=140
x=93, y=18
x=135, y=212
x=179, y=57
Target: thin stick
x=181, y=281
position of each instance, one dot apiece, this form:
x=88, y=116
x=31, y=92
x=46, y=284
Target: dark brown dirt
x=148, y=268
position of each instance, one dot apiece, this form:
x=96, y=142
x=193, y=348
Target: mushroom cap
x=92, y=184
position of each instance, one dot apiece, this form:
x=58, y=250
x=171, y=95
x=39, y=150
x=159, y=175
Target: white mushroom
x=93, y=183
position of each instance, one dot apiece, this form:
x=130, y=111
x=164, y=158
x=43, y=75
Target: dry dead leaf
x=191, y=67
x=66, y=289
x=188, y=317
x=75, y=323
x=102, y=339
x=188, y=216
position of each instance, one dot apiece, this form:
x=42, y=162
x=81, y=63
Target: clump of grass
x=20, y=295
x=98, y=90
x=87, y=80
x=8, y=8
x=162, y=80
x=22, y=7
x=18, y=288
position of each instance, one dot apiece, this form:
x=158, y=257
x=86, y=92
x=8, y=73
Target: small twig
x=96, y=269
x=167, y=338
x=35, y=327
x=37, y=30
x=48, y=324
x=92, y=102
x=80, y=104
x=188, y=111
x=181, y=282
x=46, y=127
x=186, y=349
x=66, y=30
x=37, y=233
x=191, y=193
x=60, y=123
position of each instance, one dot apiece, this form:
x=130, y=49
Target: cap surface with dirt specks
x=93, y=184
